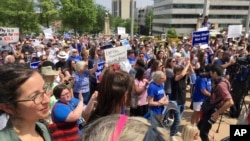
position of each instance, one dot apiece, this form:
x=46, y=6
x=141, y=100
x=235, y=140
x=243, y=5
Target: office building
x=182, y=15
x=123, y=8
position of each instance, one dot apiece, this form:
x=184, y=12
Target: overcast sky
x=140, y=3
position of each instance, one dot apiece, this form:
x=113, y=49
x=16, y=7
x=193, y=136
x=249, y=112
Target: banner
x=8, y=35
x=115, y=55
x=234, y=31
x=126, y=43
x=48, y=33
x=99, y=70
x=121, y=30
x=200, y=37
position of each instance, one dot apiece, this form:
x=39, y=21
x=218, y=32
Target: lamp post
x=247, y=22
x=132, y=20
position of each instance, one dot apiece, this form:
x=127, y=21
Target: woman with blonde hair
x=123, y=128
x=190, y=133
x=81, y=79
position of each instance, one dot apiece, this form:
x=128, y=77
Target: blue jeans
x=86, y=97
x=177, y=114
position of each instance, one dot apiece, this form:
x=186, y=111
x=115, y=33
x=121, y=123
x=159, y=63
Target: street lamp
x=150, y=25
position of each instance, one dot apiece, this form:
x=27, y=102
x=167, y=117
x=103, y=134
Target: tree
x=118, y=22
x=100, y=18
x=19, y=13
x=79, y=15
x=48, y=12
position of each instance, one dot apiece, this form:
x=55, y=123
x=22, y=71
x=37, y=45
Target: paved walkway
x=224, y=126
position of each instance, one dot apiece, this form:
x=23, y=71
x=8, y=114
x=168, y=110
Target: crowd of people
x=63, y=93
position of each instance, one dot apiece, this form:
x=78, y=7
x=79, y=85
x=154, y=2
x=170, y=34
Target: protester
x=114, y=92
x=23, y=92
x=68, y=110
x=139, y=94
x=178, y=95
x=81, y=80
x=156, y=94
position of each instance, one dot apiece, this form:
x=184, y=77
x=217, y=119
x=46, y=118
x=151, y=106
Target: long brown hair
x=112, y=90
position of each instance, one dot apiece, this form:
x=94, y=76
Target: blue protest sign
x=126, y=43
x=34, y=65
x=99, y=70
x=200, y=37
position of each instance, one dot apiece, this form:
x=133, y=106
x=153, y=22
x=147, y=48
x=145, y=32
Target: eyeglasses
x=38, y=97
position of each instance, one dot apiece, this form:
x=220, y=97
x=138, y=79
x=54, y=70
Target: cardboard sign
x=200, y=37
x=234, y=31
x=8, y=35
x=99, y=70
x=121, y=30
x=48, y=33
x=115, y=55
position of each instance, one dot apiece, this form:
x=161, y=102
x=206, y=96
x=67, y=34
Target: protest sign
x=34, y=65
x=115, y=55
x=8, y=35
x=200, y=37
x=234, y=31
x=99, y=70
x=126, y=43
x=121, y=30
x=48, y=33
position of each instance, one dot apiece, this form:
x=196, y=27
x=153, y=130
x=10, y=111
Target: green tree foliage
x=79, y=15
x=100, y=18
x=171, y=33
x=118, y=22
x=19, y=13
x=48, y=12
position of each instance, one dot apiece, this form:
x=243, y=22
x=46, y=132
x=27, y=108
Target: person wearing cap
x=186, y=50
x=61, y=64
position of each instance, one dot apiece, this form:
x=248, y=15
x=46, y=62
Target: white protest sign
x=115, y=55
x=121, y=30
x=234, y=31
x=8, y=35
x=48, y=33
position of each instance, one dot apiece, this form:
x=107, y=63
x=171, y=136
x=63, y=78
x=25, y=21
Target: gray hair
x=157, y=75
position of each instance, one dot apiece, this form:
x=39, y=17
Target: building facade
x=122, y=8
x=183, y=15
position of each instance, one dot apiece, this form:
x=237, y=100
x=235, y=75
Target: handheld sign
x=234, y=31
x=8, y=35
x=200, y=37
x=99, y=70
x=126, y=43
x=106, y=47
x=115, y=55
x=34, y=65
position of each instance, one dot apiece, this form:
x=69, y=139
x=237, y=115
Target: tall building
x=183, y=15
x=122, y=8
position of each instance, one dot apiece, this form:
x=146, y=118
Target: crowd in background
x=155, y=75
